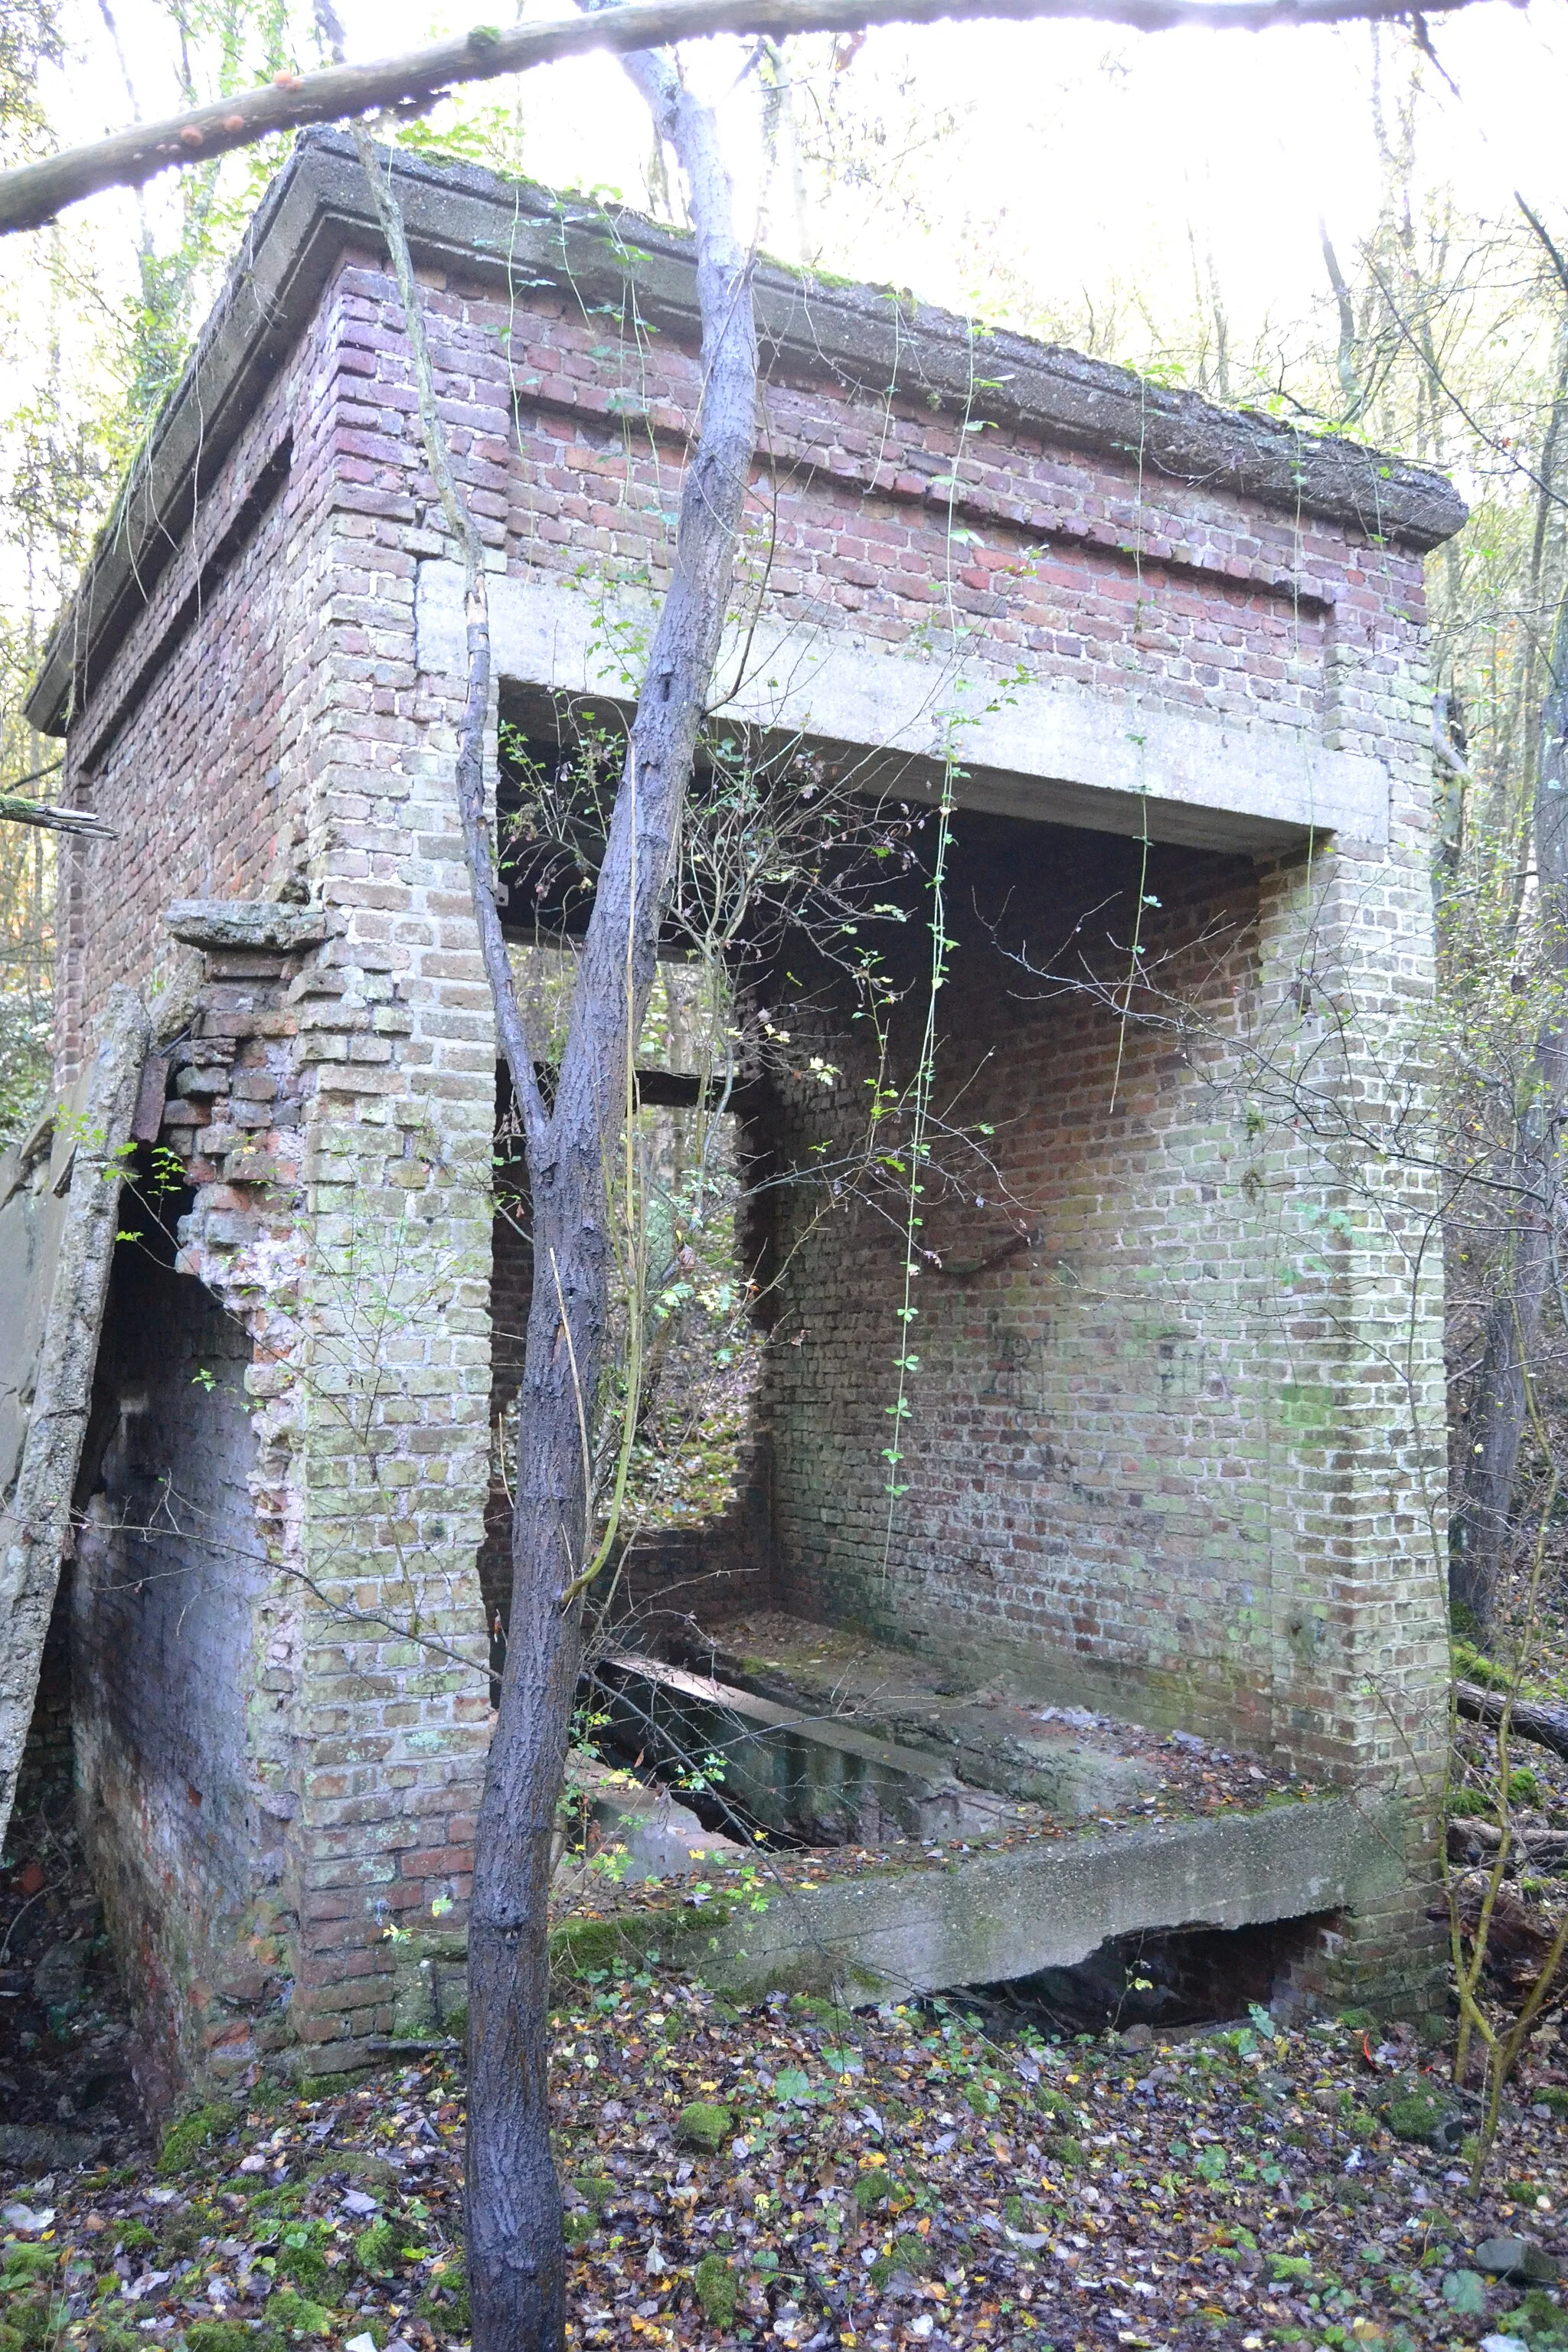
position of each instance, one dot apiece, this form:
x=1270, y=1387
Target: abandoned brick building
x=1174, y=1442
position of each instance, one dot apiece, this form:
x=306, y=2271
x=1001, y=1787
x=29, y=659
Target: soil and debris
x=67, y=2092
x=947, y=2174
x=798, y=2175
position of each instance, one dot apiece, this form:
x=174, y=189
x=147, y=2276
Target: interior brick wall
x=170, y=1636
x=1088, y=1456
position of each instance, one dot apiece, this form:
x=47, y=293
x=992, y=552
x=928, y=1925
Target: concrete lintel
x=1057, y=753
x=255, y=923
x=990, y=1918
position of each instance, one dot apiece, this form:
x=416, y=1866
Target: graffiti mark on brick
x=1018, y=1364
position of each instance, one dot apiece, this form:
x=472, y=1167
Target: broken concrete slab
x=794, y=1770
x=1524, y=2261
x=238, y=923
x=990, y=1918
x=59, y=1220
x=1071, y=1761
x=623, y=1830
x=653, y=1836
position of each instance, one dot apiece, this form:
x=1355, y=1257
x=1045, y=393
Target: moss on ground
x=703, y=2124
x=296, y=2315
x=187, y=2139
x=718, y=2290
x=375, y=2248
x=219, y=2336
x=908, y=2252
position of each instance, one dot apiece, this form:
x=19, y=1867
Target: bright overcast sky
x=1081, y=156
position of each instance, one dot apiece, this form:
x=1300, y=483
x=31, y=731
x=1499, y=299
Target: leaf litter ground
x=796, y=2174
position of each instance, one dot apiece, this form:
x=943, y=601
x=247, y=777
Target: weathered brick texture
x=1178, y=1454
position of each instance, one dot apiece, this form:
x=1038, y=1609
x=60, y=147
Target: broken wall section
x=279, y=1739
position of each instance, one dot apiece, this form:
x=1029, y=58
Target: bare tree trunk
x=517, y=2272
x=1498, y=1400
x=516, y=2253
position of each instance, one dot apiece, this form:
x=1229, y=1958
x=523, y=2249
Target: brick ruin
x=1147, y=1471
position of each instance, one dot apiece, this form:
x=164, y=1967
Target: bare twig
x=17, y=811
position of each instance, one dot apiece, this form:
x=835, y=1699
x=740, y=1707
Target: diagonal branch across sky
x=34, y=193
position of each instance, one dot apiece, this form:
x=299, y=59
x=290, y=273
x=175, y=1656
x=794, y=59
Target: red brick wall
x=1087, y=1452
x=1079, y=563
x=191, y=740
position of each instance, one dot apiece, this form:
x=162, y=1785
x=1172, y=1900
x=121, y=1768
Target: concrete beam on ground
x=992, y=1918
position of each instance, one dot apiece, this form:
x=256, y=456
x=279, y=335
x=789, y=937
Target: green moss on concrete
x=580, y=1946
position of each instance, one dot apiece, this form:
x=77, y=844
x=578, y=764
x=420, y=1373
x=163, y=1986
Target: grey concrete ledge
x=1058, y=754
x=987, y=1918
x=974, y=1918
x=856, y=337
x=240, y=923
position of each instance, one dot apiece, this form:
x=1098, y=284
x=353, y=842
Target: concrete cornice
x=471, y=222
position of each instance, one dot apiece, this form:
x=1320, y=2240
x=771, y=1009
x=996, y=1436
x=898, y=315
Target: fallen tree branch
x=33, y=194
x=1536, y=1719
x=15, y=810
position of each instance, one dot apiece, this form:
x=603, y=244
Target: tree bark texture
x=517, y=2266
x=516, y=2254
x=1541, y=1720
x=34, y=193
x=1498, y=1401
